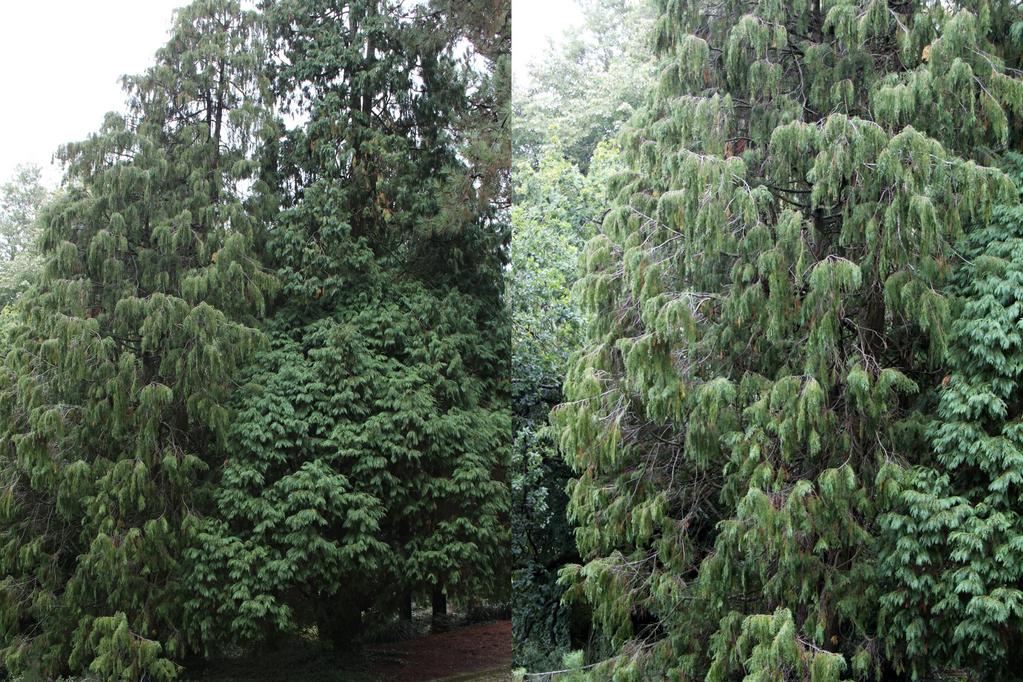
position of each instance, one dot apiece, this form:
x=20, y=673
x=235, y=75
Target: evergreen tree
x=114, y=394
x=767, y=325
x=372, y=435
x=954, y=537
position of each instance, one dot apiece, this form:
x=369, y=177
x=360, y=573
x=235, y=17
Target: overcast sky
x=60, y=61
x=534, y=24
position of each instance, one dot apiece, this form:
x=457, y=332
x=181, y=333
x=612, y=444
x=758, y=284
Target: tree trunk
x=217, y=123
x=439, y=621
x=367, y=94
x=406, y=606
x=338, y=621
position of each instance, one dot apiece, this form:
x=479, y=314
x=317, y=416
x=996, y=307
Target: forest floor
x=476, y=653
x=469, y=653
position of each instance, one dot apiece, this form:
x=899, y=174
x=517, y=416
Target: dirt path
x=477, y=653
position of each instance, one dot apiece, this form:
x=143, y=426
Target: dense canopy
x=259, y=383
x=770, y=322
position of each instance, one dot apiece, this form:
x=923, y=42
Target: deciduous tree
x=21, y=198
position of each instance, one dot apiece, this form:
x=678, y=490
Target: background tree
x=573, y=102
x=21, y=198
x=581, y=93
x=768, y=322
x=555, y=211
x=373, y=434
x=115, y=393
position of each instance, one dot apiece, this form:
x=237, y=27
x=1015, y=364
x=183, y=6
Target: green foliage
x=580, y=95
x=362, y=465
x=369, y=455
x=115, y=389
x=954, y=533
x=573, y=102
x=556, y=209
x=766, y=320
x=21, y=198
x=192, y=460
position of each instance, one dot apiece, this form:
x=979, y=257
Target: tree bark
x=439, y=621
x=406, y=606
x=338, y=621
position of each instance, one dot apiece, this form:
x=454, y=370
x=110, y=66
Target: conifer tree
x=954, y=536
x=372, y=435
x=115, y=391
x=768, y=322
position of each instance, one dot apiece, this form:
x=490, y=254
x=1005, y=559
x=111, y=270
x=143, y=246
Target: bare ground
x=474, y=653
x=470, y=653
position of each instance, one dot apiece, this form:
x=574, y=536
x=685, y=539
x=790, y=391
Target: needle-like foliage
x=954, y=536
x=768, y=322
x=369, y=453
x=115, y=389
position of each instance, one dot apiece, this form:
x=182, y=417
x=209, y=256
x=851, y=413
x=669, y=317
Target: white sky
x=534, y=24
x=60, y=62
